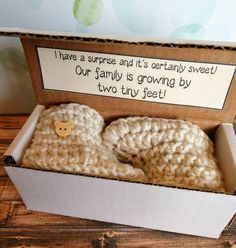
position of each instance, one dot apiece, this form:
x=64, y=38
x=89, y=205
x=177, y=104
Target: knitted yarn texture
x=170, y=152
x=81, y=152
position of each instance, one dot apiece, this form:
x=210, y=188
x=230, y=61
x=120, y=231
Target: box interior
x=225, y=144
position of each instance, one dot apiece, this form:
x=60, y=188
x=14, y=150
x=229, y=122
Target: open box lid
x=119, y=78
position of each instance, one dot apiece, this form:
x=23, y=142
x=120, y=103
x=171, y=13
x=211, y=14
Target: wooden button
x=63, y=129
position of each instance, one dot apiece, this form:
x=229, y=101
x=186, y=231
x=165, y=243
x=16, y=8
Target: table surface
x=20, y=227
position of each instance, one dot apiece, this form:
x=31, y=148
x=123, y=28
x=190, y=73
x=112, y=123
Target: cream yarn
x=170, y=152
x=81, y=151
x=88, y=125
x=153, y=150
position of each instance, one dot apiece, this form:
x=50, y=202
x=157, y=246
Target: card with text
x=138, y=78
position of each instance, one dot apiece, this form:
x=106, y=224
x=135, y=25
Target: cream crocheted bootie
x=68, y=139
x=170, y=152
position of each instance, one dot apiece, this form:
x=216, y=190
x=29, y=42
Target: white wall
x=16, y=93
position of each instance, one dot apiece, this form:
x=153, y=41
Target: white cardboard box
x=158, y=207
x=172, y=209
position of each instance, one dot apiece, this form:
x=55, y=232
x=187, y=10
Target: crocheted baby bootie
x=68, y=139
x=170, y=152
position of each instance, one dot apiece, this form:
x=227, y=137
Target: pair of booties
x=71, y=138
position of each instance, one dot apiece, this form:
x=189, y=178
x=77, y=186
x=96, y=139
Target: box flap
x=21, y=32
x=225, y=144
x=206, y=105
x=162, y=208
x=14, y=152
